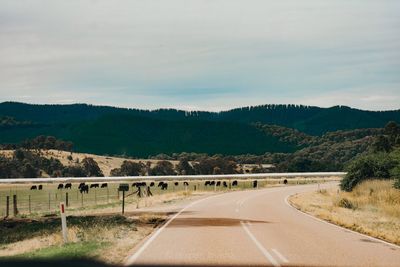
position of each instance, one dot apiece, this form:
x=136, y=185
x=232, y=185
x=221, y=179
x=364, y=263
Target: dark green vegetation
x=381, y=161
x=141, y=133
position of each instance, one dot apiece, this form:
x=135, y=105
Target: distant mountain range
x=134, y=132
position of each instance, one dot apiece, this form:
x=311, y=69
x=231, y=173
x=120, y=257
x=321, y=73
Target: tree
x=366, y=167
x=74, y=171
x=163, y=168
x=91, y=168
x=381, y=144
x=129, y=168
x=28, y=171
x=184, y=167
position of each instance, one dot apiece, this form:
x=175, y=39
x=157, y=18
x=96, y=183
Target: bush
x=345, y=203
x=366, y=167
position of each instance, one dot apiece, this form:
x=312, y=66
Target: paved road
x=258, y=228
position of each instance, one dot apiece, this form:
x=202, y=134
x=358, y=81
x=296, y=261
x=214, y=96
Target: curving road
x=258, y=228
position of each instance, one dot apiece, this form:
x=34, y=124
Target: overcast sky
x=209, y=55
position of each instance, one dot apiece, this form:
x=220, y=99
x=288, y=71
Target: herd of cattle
x=84, y=188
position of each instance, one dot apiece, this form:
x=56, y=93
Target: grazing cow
x=94, y=186
x=40, y=187
x=224, y=184
x=60, y=186
x=152, y=184
x=134, y=184
x=285, y=181
x=255, y=184
x=68, y=186
x=207, y=183
x=33, y=187
x=160, y=184
x=176, y=183
x=104, y=185
x=80, y=185
x=164, y=186
x=235, y=183
x=218, y=183
x=212, y=183
x=84, y=189
x=185, y=183
x=143, y=184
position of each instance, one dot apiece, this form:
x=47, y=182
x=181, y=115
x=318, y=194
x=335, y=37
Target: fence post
x=108, y=195
x=81, y=199
x=123, y=202
x=15, y=208
x=95, y=196
x=49, y=203
x=29, y=199
x=63, y=223
x=8, y=206
x=66, y=199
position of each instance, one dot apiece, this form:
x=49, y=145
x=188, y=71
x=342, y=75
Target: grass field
x=31, y=202
x=372, y=208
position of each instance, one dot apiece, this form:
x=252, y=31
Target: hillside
x=141, y=133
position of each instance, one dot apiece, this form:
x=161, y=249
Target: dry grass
x=372, y=208
x=105, y=163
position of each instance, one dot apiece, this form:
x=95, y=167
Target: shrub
x=345, y=203
x=366, y=167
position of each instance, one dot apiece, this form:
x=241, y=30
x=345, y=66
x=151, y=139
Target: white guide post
x=63, y=222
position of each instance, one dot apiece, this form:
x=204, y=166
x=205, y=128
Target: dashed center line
x=266, y=254
x=280, y=256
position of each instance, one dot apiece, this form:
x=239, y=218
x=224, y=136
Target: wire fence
x=19, y=199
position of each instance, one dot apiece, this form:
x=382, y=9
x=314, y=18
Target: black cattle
x=94, y=186
x=207, y=183
x=84, y=189
x=152, y=184
x=285, y=181
x=40, y=187
x=80, y=185
x=224, y=184
x=235, y=183
x=134, y=184
x=164, y=186
x=176, y=183
x=104, y=185
x=185, y=183
x=68, y=186
x=212, y=183
x=160, y=184
x=219, y=183
x=33, y=187
x=255, y=184
x=143, y=184
x=60, y=186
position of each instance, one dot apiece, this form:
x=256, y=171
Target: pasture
x=46, y=201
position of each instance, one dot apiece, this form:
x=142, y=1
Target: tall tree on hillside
x=184, y=167
x=91, y=168
x=129, y=168
x=163, y=168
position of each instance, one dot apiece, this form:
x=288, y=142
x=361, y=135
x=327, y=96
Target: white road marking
x=131, y=260
x=337, y=226
x=259, y=246
x=280, y=256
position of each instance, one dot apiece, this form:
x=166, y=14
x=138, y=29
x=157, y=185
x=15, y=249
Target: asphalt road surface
x=258, y=228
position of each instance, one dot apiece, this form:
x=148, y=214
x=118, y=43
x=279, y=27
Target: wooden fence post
x=15, y=208
x=8, y=206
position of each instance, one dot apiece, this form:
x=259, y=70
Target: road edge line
x=338, y=226
x=131, y=259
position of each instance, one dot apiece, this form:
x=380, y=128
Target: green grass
x=69, y=251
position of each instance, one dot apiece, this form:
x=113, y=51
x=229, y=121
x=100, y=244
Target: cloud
x=200, y=54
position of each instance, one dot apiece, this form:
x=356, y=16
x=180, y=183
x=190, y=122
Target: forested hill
x=110, y=130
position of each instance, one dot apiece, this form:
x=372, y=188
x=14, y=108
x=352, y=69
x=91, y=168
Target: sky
x=201, y=54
